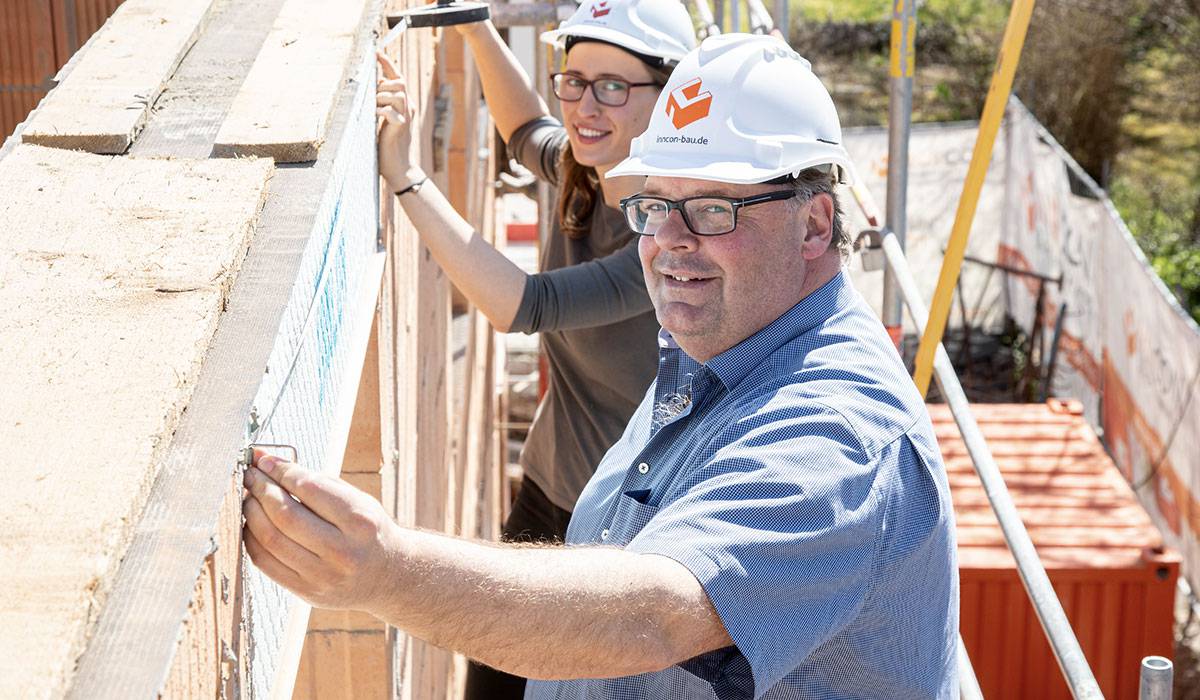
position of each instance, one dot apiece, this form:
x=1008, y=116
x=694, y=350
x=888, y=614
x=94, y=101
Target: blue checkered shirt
x=798, y=478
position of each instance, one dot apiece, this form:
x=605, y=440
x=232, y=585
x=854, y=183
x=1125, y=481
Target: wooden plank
x=364, y=449
x=415, y=324
x=342, y=649
x=327, y=207
x=345, y=665
x=105, y=100
x=283, y=107
x=107, y=307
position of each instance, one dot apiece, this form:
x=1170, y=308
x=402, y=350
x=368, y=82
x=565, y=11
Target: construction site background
x=1122, y=97
x=1126, y=115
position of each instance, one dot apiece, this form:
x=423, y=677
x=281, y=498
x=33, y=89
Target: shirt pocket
x=629, y=519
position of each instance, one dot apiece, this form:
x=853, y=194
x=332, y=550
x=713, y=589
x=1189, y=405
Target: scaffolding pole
x=904, y=31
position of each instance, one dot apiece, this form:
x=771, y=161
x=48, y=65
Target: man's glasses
x=704, y=216
x=613, y=92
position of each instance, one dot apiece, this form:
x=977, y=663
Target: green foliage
x=1159, y=219
x=842, y=10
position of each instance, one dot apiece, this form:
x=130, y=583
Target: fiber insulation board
x=113, y=274
x=307, y=394
x=282, y=110
x=106, y=98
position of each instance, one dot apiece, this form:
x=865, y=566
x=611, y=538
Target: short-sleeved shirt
x=797, y=477
x=597, y=328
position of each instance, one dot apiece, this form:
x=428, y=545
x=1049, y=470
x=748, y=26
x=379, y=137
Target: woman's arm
x=510, y=95
x=593, y=293
x=492, y=282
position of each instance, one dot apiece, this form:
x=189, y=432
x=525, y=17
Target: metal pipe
x=1011, y=270
x=968, y=684
x=1048, y=380
x=904, y=31
x=1049, y=610
x=735, y=15
x=529, y=14
x=760, y=19
x=704, y=14
x=1158, y=676
x=989, y=125
x=782, y=22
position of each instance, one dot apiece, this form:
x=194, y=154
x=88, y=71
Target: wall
x=1128, y=351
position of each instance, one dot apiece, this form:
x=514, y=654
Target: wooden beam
x=107, y=306
x=283, y=107
x=106, y=98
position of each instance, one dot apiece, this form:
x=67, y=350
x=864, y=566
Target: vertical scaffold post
x=1158, y=676
x=904, y=31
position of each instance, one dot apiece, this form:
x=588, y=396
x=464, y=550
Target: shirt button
x=643, y=468
x=604, y=534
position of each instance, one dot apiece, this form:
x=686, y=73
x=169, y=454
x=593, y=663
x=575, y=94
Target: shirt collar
x=732, y=366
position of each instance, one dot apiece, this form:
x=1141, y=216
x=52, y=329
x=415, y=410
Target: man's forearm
x=549, y=612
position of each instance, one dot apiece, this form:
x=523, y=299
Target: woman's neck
x=617, y=188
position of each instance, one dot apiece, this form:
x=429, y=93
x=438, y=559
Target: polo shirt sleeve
x=780, y=526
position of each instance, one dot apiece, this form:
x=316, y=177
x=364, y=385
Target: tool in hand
x=442, y=13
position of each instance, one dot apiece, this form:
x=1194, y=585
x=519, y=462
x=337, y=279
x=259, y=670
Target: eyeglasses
x=613, y=92
x=705, y=215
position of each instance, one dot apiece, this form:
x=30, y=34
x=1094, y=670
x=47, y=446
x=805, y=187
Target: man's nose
x=674, y=233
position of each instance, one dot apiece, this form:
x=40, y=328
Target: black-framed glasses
x=613, y=92
x=705, y=215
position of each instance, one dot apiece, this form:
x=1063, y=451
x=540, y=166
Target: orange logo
x=687, y=104
x=600, y=9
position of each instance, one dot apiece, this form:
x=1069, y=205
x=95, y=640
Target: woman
x=589, y=302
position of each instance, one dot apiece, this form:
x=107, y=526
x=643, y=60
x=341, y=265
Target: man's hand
x=316, y=535
x=396, y=162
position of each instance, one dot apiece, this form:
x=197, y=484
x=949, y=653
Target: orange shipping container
x=1105, y=558
x=37, y=37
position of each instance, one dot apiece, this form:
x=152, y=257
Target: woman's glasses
x=613, y=92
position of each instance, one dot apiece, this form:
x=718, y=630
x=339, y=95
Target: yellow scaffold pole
x=989, y=124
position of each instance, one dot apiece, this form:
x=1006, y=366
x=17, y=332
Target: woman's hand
x=396, y=162
x=466, y=29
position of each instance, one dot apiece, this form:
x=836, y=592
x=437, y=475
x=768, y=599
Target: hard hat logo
x=687, y=104
x=600, y=9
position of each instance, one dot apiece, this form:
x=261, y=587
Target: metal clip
x=869, y=245
x=247, y=457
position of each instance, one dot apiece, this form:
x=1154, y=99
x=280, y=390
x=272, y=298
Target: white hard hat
x=659, y=28
x=741, y=108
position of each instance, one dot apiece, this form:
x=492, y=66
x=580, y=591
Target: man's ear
x=818, y=232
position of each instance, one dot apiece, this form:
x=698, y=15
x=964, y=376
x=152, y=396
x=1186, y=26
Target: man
x=775, y=521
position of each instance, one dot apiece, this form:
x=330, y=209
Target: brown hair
x=579, y=185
